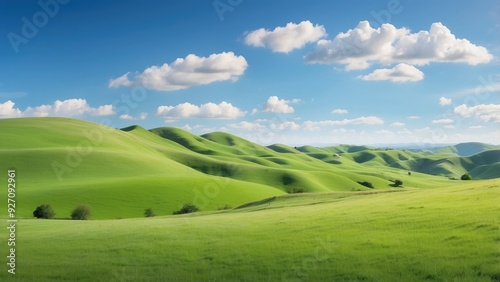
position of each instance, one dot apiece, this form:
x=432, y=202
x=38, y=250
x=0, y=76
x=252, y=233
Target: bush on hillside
x=366, y=184
x=466, y=176
x=149, y=212
x=398, y=183
x=81, y=212
x=187, y=208
x=44, y=211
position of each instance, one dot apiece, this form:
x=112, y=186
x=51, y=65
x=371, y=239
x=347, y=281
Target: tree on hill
x=398, y=183
x=149, y=212
x=81, y=212
x=466, y=176
x=187, y=208
x=44, y=211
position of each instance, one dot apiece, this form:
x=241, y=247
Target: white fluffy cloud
x=142, y=116
x=245, y=125
x=483, y=112
x=443, y=101
x=400, y=73
x=340, y=111
x=187, y=72
x=397, y=124
x=287, y=125
x=276, y=105
x=7, y=110
x=443, y=121
x=317, y=125
x=66, y=108
x=285, y=39
x=223, y=110
x=121, y=81
x=105, y=110
x=359, y=47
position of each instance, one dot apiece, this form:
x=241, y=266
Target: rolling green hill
x=467, y=149
x=442, y=234
x=433, y=228
x=119, y=173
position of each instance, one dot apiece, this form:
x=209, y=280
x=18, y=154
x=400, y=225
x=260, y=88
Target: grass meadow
x=442, y=234
x=296, y=214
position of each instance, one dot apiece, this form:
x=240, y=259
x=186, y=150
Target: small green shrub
x=81, y=212
x=149, y=212
x=366, y=184
x=187, y=208
x=398, y=183
x=466, y=176
x=44, y=211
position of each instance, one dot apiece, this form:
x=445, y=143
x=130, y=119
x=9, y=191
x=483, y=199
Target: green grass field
x=431, y=229
x=442, y=234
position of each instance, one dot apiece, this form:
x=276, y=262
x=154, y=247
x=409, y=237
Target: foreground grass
x=445, y=234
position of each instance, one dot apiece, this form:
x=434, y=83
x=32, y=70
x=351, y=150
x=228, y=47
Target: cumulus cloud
x=245, y=125
x=483, y=112
x=223, y=110
x=287, y=125
x=276, y=105
x=443, y=121
x=7, y=110
x=317, y=125
x=398, y=124
x=339, y=111
x=358, y=48
x=142, y=116
x=443, y=101
x=105, y=110
x=66, y=108
x=187, y=72
x=287, y=38
x=400, y=73
x=121, y=81
x=126, y=117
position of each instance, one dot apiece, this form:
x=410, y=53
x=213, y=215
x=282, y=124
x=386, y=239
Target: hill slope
x=119, y=173
x=442, y=234
x=467, y=149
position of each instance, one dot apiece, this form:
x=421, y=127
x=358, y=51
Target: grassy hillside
x=443, y=162
x=467, y=149
x=64, y=162
x=119, y=173
x=442, y=234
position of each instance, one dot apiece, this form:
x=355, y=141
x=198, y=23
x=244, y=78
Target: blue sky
x=294, y=72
